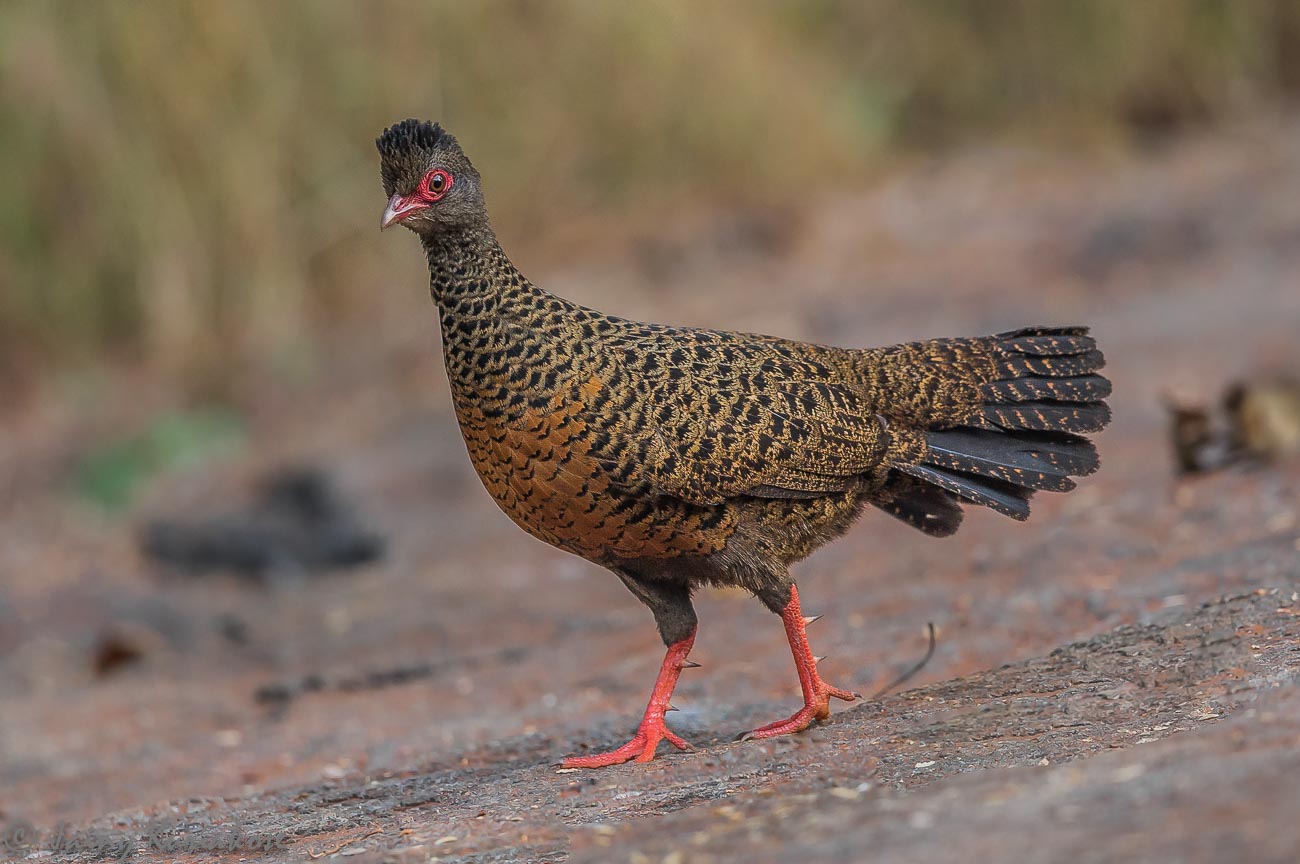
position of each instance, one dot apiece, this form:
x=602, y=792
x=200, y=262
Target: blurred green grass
x=192, y=186
x=109, y=475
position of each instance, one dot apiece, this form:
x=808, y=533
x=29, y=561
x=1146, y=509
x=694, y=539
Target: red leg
x=816, y=692
x=652, y=729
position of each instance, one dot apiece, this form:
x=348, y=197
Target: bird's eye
x=437, y=182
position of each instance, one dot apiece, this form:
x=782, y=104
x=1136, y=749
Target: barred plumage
x=677, y=457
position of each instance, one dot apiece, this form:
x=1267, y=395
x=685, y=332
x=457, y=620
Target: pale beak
x=398, y=209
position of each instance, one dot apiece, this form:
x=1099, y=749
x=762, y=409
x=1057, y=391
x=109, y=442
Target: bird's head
x=431, y=186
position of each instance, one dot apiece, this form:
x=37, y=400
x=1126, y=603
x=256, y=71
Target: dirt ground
x=1114, y=680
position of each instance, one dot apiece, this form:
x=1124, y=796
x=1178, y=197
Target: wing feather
x=717, y=416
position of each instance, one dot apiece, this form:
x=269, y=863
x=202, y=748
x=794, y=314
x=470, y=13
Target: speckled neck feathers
x=500, y=332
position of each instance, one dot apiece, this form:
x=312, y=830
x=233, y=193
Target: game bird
x=678, y=457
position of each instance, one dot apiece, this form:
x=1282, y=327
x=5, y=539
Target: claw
x=817, y=693
x=811, y=619
x=652, y=729
x=640, y=749
x=819, y=659
x=690, y=664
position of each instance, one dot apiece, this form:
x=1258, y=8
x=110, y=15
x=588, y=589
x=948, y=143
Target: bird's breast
x=538, y=466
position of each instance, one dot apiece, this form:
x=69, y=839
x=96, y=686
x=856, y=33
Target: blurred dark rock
x=299, y=522
x=233, y=628
x=123, y=644
x=1198, y=442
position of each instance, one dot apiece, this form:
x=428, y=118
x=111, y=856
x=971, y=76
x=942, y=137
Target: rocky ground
x=1114, y=680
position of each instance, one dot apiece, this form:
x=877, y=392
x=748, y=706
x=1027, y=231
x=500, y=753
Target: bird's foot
x=652, y=729
x=640, y=749
x=816, y=692
x=816, y=707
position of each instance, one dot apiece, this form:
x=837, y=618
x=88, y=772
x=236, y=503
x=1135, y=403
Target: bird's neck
x=466, y=268
x=470, y=276
x=492, y=317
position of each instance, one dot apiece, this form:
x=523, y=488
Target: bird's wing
x=704, y=416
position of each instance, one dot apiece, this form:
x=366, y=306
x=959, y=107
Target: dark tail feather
x=1060, y=367
x=1006, y=498
x=1045, y=382
x=1035, y=460
x=927, y=508
x=1047, y=416
x=1078, y=388
x=1027, y=433
x=1048, y=352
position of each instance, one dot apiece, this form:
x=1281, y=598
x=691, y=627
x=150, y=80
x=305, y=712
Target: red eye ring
x=436, y=184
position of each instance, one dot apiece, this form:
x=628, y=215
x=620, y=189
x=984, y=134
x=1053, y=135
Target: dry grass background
x=191, y=186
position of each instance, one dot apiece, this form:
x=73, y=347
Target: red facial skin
x=402, y=207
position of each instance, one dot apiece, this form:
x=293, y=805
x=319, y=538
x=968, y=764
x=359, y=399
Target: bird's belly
x=794, y=528
x=539, y=470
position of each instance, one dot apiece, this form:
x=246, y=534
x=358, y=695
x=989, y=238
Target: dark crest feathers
x=405, y=149
x=411, y=134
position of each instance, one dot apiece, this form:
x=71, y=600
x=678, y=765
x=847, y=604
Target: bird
x=679, y=458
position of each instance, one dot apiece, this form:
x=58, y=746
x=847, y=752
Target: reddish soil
x=1114, y=680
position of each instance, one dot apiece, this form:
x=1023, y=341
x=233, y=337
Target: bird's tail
x=1022, y=404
